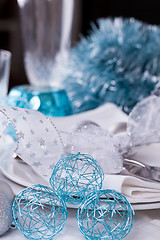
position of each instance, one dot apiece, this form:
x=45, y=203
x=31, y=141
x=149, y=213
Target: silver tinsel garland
x=119, y=62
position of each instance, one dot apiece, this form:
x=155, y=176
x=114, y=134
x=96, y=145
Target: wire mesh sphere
x=105, y=215
x=75, y=175
x=39, y=213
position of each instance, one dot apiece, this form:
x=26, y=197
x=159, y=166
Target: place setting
x=80, y=144
x=140, y=190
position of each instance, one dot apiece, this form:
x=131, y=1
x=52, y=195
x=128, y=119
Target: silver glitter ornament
x=6, y=190
x=5, y=214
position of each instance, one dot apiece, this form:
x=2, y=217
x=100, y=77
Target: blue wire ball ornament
x=39, y=213
x=75, y=175
x=105, y=215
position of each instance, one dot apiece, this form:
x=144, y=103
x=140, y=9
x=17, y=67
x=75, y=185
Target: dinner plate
x=22, y=174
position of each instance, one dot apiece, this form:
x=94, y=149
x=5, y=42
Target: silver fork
x=141, y=170
x=134, y=167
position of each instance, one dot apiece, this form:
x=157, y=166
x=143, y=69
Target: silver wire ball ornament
x=5, y=214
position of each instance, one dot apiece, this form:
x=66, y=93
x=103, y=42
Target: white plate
x=21, y=173
x=14, y=169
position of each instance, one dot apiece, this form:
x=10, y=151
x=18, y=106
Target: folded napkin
x=106, y=116
x=141, y=194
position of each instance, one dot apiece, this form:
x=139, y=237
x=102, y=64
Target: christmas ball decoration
x=75, y=175
x=6, y=190
x=118, y=62
x=105, y=215
x=5, y=214
x=39, y=213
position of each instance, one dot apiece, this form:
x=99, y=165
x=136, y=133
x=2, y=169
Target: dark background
x=147, y=11
x=86, y=11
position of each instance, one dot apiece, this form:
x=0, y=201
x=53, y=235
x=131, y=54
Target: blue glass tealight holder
x=50, y=101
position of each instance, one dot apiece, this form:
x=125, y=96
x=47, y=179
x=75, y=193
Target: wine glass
x=46, y=31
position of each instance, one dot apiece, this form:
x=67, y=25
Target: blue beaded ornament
x=39, y=213
x=75, y=175
x=105, y=215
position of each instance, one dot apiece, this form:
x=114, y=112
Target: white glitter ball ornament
x=5, y=214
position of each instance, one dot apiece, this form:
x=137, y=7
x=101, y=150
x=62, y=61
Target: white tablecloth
x=146, y=227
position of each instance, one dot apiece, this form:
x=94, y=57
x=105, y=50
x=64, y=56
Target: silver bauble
x=5, y=214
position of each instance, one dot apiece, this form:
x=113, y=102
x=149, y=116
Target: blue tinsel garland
x=119, y=62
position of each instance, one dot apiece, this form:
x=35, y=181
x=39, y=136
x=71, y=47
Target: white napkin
x=106, y=116
x=141, y=194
